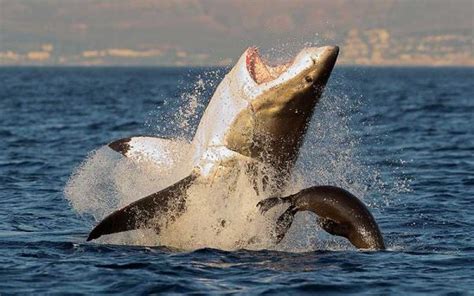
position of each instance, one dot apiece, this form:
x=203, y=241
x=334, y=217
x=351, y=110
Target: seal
x=340, y=213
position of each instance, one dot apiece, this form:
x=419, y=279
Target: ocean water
x=400, y=138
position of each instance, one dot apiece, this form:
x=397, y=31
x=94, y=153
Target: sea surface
x=412, y=130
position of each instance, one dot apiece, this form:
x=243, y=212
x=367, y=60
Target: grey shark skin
x=257, y=117
x=340, y=213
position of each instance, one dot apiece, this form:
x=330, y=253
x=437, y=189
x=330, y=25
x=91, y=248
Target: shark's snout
x=328, y=55
x=318, y=54
x=322, y=62
x=327, y=58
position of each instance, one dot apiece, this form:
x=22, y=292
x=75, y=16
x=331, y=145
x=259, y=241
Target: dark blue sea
x=411, y=133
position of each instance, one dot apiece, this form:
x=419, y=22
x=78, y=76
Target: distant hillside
x=208, y=32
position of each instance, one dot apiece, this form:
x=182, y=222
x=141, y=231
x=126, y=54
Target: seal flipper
x=269, y=203
x=285, y=220
x=284, y=223
x=139, y=213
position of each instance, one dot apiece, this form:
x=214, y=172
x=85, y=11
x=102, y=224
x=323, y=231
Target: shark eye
x=308, y=79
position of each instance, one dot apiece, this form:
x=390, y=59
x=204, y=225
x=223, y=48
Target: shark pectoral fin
x=141, y=212
x=334, y=228
x=127, y=146
x=154, y=149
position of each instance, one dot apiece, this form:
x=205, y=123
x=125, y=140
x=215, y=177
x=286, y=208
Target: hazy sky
x=182, y=32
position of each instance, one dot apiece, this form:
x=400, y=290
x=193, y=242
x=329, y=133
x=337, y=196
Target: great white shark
x=255, y=124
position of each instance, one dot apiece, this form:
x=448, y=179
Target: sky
x=214, y=32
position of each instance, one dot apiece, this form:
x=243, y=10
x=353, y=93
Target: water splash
x=188, y=106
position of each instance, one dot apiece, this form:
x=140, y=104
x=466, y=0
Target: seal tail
x=140, y=213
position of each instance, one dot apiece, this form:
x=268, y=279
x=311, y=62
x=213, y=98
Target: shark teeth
x=261, y=71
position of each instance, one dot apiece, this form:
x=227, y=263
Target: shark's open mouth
x=262, y=71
